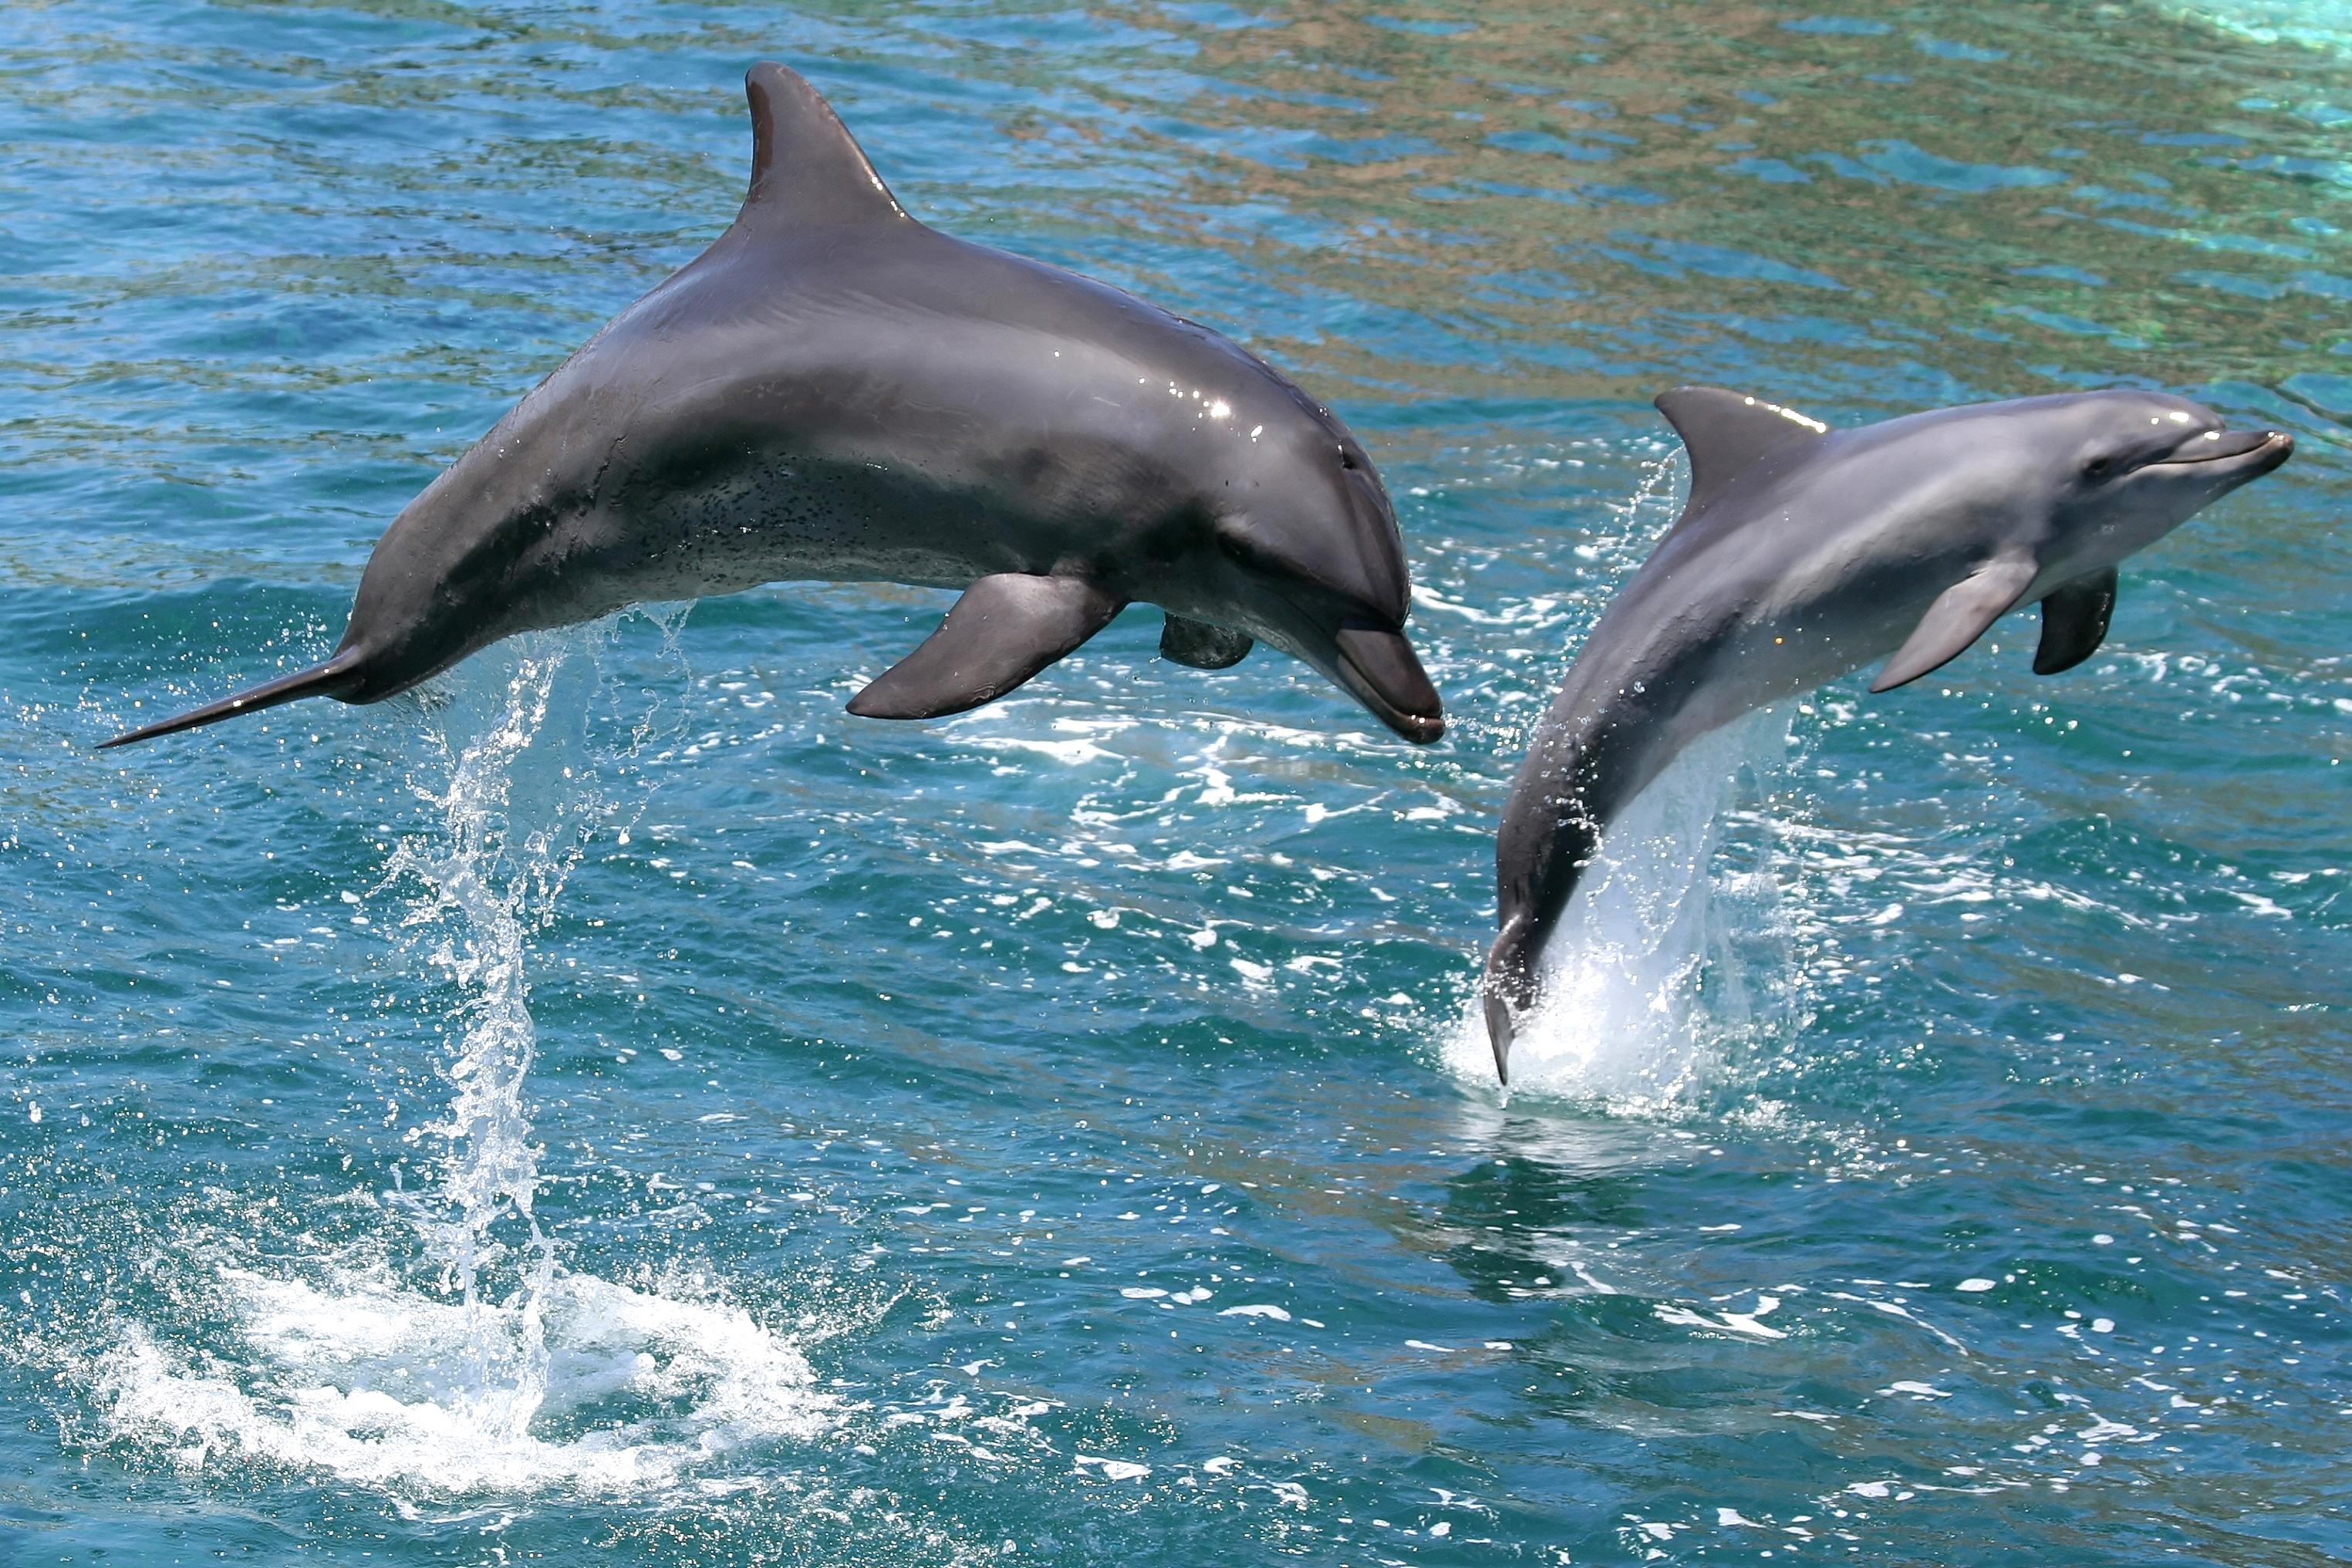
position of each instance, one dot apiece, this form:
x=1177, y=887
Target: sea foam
x=377, y=1382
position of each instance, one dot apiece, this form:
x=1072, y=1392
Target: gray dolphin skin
x=834, y=390
x=1805, y=553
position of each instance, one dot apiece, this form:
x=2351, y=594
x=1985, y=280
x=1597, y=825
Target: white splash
x=376, y=1383
x=1656, y=966
x=492, y=877
x=502, y=1372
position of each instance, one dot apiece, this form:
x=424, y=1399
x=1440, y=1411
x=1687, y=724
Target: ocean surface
x=614, y=1102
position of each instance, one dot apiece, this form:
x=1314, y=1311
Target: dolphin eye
x=2099, y=468
x=1347, y=459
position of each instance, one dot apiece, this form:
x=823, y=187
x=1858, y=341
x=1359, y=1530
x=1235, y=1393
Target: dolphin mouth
x=2272, y=447
x=1381, y=671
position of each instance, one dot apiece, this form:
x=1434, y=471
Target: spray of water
x=492, y=877
x=1671, y=956
x=351, y=1368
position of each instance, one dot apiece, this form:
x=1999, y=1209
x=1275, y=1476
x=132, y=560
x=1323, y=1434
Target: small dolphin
x=1805, y=553
x=834, y=390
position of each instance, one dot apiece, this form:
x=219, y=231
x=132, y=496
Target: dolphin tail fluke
x=328, y=679
x=1500, y=1030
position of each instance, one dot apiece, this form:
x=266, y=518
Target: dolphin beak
x=1381, y=669
x=2273, y=446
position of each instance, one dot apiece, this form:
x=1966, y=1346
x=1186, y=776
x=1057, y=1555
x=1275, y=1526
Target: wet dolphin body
x=834, y=390
x=1805, y=553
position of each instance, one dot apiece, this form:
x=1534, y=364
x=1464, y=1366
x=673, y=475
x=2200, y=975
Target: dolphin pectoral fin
x=1202, y=645
x=1958, y=618
x=1003, y=631
x=2075, y=621
x=1726, y=432
x=329, y=679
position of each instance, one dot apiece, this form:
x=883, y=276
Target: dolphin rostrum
x=1805, y=553
x=835, y=390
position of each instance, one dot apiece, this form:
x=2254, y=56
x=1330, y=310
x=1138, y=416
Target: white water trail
x=492, y=876
x=501, y=1370
x=1670, y=954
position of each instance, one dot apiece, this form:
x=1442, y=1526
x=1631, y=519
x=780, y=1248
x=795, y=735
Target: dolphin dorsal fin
x=807, y=171
x=1726, y=432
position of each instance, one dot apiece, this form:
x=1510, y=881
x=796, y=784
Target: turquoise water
x=615, y=1099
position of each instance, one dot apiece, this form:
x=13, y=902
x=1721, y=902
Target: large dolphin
x=1805, y=553
x=834, y=390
